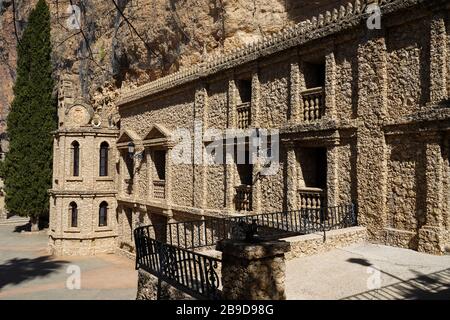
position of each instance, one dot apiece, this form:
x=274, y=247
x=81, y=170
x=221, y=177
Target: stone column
x=294, y=89
x=438, y=54
x=332, y=175
x=330, y=86
x=255, y=102
x=169, y=180
x=432, y=236
x=292, y=176
x=301, y=88
x=230, y=167
x=372, y=95
x=253, y=271
x=255, y=123
x=200, y=125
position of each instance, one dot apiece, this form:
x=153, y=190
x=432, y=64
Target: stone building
x=362, y=113
x=83, y=197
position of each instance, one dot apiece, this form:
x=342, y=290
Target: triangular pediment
x=157, y=132
x=127, y=136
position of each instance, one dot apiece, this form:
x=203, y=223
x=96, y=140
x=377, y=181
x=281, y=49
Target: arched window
x=104, y=147
x=103, y=214
x=75, y=159
x=73, y=215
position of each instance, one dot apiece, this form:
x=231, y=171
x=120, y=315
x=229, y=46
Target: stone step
x=14, y=220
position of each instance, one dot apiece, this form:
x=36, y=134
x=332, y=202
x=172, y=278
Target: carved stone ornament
x=79, y=114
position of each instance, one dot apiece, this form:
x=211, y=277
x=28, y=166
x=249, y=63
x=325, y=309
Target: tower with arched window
x=82, y=203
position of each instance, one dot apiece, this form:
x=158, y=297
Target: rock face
x=157, y=37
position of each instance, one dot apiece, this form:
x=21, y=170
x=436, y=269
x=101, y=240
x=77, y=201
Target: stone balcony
x=313, y=103
x=312, y=198
x=243, y=198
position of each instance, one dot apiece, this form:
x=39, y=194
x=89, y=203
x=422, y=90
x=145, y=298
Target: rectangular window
x=159, y=158
x=103, y=161
x=76, y=161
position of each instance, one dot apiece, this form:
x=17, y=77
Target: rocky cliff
x=130, y=42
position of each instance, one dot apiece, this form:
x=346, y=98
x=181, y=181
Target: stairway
x=14, y=221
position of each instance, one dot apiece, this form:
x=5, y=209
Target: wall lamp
x=132, y=152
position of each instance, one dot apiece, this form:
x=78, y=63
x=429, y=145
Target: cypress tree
x=32, y=118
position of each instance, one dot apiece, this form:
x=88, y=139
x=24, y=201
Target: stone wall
x=149, y=286
x=383, y=93
x=311, y=244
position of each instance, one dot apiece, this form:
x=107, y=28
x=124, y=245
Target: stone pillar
x=255, y=102
x=294, y=89
x=253, y=271
x=433, y=237
x=255, y=123
x=438, y=54
x=169, y=179
x=292, y=176
x=372, y=96
x=301, y=88
x=330, y=86
x=229, y=165
x=332, y=175
x=200, y=125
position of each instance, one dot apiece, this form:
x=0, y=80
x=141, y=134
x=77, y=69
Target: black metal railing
x=167, y=250
x=187, y=270
x=207, y=232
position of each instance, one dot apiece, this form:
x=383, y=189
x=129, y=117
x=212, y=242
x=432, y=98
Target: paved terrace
x=27, y=272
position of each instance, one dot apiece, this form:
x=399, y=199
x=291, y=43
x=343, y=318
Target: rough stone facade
x=379, y=136
x=150, y=288
x=310, y=244
x=253, y=271
x=363, y=117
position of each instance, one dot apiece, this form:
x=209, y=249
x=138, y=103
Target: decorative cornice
x=86, y=131
x=82, y=194
x=344, y=17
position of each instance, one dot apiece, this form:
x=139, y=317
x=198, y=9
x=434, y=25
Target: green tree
x=32, y=118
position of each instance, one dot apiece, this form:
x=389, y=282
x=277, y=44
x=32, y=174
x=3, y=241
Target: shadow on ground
x=25, y=227
x=433, y=286
x=17, y=270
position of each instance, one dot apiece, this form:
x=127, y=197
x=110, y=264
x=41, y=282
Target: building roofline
x=329, y=22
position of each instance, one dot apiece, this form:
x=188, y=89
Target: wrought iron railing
x=243, y=198
x=190, y=271
x=159, y=187
x=312, y=198
x=196, y=234
x=167, y=250
x=244, y=115
x=313, y=103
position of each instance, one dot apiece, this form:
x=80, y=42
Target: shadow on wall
x=16, y=270
x=431, y=286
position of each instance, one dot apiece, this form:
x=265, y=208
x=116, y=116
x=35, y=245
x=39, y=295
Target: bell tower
x=83, y=195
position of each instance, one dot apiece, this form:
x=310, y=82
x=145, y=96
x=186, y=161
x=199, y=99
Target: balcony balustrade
x=312, y=198
x=243, y=198
x=159, y=189
x=313, y=104
x=244, y=115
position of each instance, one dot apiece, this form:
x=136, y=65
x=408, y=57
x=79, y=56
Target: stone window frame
x=107, y=219
x=70, y=227
x=73, y=144
x=161, y=142
x=108, y=160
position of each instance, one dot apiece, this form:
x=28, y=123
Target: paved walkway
x=28, y=272
x=369, y=272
